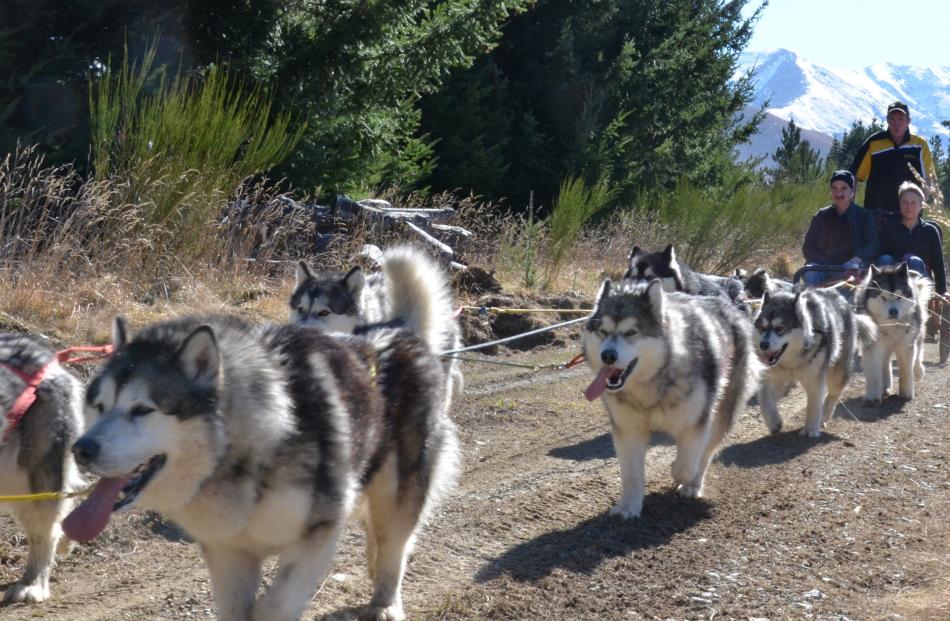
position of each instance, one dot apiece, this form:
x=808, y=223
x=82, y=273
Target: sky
x=852, y=34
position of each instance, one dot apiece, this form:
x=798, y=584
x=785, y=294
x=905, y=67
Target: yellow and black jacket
x=883, y=164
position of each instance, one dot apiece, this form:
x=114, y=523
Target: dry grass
x=74, y=254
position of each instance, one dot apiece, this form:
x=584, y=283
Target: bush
x=576, y=203
x=179, y=146
x=716, y=233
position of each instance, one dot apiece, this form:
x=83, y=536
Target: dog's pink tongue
x=599, y=385
x=89, y=519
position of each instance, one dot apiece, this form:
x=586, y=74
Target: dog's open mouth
x=772, y=359
x=90, y=518
x=609, y=378
x=139, y=479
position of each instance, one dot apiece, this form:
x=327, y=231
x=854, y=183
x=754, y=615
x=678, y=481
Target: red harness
x=28, y=396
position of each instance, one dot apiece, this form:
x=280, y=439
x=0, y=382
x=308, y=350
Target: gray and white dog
x=896, y=298
x=34, y=453
x=408, y=278
x=675, y=276
x=759, y=281
x=810, y=338
x=667, y=362
x=261, y=441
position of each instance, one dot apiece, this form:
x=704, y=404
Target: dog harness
x=27, y=396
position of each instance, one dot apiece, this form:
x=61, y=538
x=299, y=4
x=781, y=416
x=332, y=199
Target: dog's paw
x=690, y=491
x=871, y=401
x=26, y=593
x=377, y=613
x=774, y=429
x=811, y=433
x=65, y=546
x=626, y=512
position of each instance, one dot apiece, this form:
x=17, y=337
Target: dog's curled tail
x=419, y=294
x=867, y=328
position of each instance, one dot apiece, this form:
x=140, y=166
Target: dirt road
x=850, y=526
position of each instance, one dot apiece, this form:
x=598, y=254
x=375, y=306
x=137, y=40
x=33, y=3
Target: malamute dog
x=759, y=281
x=34, y=452
x=676, y=276
x=896, y=299
x=408, y=278
x=260, y=441
x=337, y=302
x=810, y=338
x=667, y=362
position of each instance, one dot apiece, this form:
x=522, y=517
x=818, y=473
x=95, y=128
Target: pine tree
x=842, y=152
x=353, y=71
x=795, y=159
x=633, y=92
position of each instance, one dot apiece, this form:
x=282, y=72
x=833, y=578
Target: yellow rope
x=41, y=496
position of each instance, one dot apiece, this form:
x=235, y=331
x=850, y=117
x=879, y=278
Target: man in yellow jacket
x=883, y=161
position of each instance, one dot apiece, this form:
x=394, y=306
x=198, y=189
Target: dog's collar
x=27, y=396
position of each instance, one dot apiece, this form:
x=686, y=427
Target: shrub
x=178, y=146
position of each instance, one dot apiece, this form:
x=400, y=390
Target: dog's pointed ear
x=740, y=273
x=603, y=292
x=801, y=311
x=655, y=293
x=303, y=273
x=199, y=356
x=633, y=253
x=120, y=331
x=354, y=281
x=800, y=308
x=902, y=269
x=765, y=297
x=669, y=254
x=759, y=270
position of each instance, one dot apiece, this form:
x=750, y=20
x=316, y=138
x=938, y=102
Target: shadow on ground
x=856, y=408
x=582, y=548
x=772, y=449
x=601, y=447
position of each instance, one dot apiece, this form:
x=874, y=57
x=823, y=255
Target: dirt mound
x=502, y=315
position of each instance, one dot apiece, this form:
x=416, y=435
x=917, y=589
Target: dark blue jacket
x=923, y=241
x=863, y=234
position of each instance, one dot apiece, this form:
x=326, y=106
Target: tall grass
x=178, y=145
x=718, y=233
x=576, y=203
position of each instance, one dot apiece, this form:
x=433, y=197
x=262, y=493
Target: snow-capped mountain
x=828, y=100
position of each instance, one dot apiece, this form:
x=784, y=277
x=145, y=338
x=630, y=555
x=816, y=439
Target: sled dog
x=896, y=299
x=676, y=276
x=409, y=278
x=810, y=338
x=759, y=281
x=667, y=362
x=37, y=430
x=260, y=442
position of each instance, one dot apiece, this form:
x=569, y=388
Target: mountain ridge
x=829, y=100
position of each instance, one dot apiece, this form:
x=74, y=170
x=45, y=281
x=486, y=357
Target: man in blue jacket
x=843, y=234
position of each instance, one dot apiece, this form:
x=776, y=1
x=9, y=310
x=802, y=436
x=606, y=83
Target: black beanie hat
x=843, y=175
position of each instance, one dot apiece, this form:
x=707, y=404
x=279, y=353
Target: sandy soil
x=850, y=526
